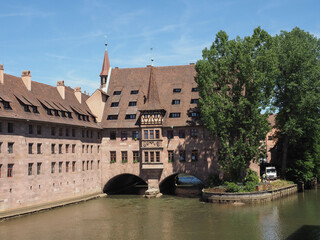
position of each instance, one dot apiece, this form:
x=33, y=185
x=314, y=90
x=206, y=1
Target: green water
x=133, y=217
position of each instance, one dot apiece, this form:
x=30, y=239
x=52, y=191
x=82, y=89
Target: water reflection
x=133, y=217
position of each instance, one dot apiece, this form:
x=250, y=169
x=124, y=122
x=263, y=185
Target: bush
x=251, y=176
x=214, y=180
x=232, y=187
x=250, y=187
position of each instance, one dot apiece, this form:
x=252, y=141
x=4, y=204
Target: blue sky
x=64, y=40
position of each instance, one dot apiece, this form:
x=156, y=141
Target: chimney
x=1, y=74
x=61, y=89
x=77, y=93
x=26, y=78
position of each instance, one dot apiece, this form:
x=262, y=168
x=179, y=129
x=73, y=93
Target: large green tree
x=297, y=98
x=235, y=81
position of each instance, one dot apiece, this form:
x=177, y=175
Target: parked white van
x=271, y=173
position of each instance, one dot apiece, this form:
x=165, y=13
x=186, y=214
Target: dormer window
x=134, y=92
x=116, y=92
x=114, y=104
x=134, y=103
x=177, y=90
x=34, y=109
x=112, y=117
x=130, y=116
x=26, y=108
x=63, y=114
x=175, y=102
x=6, y=104
x=69, y=114
x=174, y=115
x=56, y=113
x=195, y=89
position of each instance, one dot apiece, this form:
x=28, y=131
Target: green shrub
x=214, y=180
x=250, y=187
x=232, y=187
x=251, y=176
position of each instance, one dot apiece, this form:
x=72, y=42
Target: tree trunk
x=284, y=155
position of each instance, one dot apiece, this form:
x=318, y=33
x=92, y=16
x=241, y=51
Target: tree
x=235, y=81
x=297, y=98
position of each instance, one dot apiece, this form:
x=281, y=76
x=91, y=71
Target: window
x=182, y=133
x=132, y=104
x=10, y=147
x=98, y=164
x=91, y=148
x=60, y=132
x=39, y=130
x=53, y=131
x=10, y=127
x=67, y=148
x=130, y=116
x=177, y=90
x=269, y=138
x=0, y=127
x=82, y=133
x=116, y=92
x=175, y=101
x=39, y=148
x=113, y=135
x=113, y=157
x=146, y=134
x=6, y=105
x=134, y=92
x=91, y=164
x=0, y=146
x=53, y=148
x=39, y=168
x=194, y=133
x=194, y=114
x=157, y=156
x=30, y=165
x=73, y=166
x=83, y=163
x=87, y=133
x=73, y=150
x=124, y=156
x=169, y=134
x=151, y=156
x=87, y=149
x=146, y=156
x=194, y=101
x=30, y=148
x=123, y=135
x=73, y=132
x=194, y=155
x=182, y=155
x=67, y=132
x=174, y=115
x=98, y=148
x=30, y=129
x=114, y=104
x=60, y=167
x=151, y=134
x=157, y=134
x=112, y=117
x=195, y=89
x=135, y=135
x=10, y=170
x=135, y=156
x=53, y=167
x=170, y=156
x=67, y=166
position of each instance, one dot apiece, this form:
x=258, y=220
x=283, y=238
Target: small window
x=10, y=127
x=39, y=148
x=170, y=156
x=60, y=148
x=182, y=133
x=269, y=138
x=157, y=156
x=0, y=127
x=134, y=103
x=195, y=89
x=30, y=145
x=73, y=150
x=30, y=165
x=123, y=135
x=151, y=156
x=112, y=117
x=83, y=163
x=134, y=92
x=87, y=165
x=73, y=132
x=60, y=167
x=174, y=115
x=67, y=166
x=135, y=135
x=157, y=134
x=194, y=155
x=39, y=130
x=53, y=167
x=39, y=168
x=60, y=132
x=67, y=148
x=10, y=170
x=53, y=131
x=73, y=166
x=177, y=90
x=30, y=129
x=151, y=134
x=113, y=157
x=114, y=104
x=135, y=156
x=124, y=156
x=194, y=133
x=146, y=156
x=67, y=132
x=169, y=134
x=182, y=155
x=116, y=92
x=175, y=102
x=194, y=101
x=113, y=135
x=53, y=148
x=130, y=116
x=194, y=114
x=146, y=135
x=0, y=146
x=10, y=147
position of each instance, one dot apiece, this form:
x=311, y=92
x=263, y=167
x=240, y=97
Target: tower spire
x=106, y=70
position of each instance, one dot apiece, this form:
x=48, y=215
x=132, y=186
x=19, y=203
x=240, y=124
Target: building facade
x=58, y=143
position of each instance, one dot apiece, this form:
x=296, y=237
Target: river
x=170, y=217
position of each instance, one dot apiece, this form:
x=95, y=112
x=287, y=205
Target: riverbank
x=249, y=197
x=47, y=206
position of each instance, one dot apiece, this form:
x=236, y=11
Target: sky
x=64, y=39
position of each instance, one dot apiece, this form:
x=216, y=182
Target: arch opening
x=182, y=185
x=125, y=184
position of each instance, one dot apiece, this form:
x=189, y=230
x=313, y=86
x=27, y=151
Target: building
x=58, y=143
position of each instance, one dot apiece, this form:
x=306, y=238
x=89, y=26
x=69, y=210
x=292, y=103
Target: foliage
x=297, y=98
x=235, y=82
x=214, y=180
x=232, y=187
x=250, y=187
x=251, y=176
